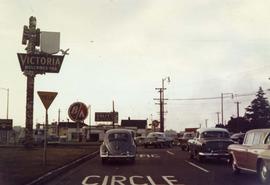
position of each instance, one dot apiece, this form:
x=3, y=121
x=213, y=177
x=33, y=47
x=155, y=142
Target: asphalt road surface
x=167, y=166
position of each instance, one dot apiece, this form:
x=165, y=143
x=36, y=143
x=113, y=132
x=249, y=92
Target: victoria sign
x=40, y=62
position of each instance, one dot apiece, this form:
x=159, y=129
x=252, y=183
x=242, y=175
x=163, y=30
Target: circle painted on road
x=78, y=111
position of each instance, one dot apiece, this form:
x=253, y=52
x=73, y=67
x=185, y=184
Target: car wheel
x=191, y=154
x=104, y=160
x=201, y=158
x=235, y=168
x=263, y=172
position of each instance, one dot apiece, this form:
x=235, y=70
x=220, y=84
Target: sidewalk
x=19, y=166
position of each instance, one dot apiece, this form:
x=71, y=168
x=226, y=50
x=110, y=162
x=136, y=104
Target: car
x=183, y=141
x=118, y=144
x=253, y=155
x=238, y=137
x=210, y=143
x=158, y=139
x=139, y=140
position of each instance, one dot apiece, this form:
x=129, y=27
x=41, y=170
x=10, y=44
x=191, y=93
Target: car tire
x=191, y=154
x=201, y=158
x=104, y=160
x=263, y=173
x=235, y=168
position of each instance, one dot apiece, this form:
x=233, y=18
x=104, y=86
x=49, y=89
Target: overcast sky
x=122, y=49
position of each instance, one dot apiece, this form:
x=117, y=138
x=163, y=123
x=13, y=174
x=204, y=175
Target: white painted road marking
x=133, y=180
x=148, y=156
x=170, y=152
x=201, y=168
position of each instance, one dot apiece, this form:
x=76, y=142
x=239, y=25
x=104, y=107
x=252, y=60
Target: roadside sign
x=78, y=111
x=47, y=98
x=6, y=124
x=106, y=116
x=40, y=62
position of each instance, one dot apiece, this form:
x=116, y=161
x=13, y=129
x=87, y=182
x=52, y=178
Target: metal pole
x=222, y=108
x=45, y=139
x=113, y=114
x=218, y=117
x=7, y=101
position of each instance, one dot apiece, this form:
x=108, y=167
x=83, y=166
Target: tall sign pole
x=30, y=34
x=36, y=62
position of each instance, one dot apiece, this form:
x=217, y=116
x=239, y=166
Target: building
x=6, y=131
x=139, y=126
x=71, y=130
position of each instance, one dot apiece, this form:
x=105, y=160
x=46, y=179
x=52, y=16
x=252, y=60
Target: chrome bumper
x=210, y=154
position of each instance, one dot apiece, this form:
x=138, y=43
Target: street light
x=6, y=89
x=222, y=94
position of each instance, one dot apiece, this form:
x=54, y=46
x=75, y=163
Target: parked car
x=118, y=144
x=253, y=155
x=238, y=138
x=210, y=143
x=158, y=139
x=183, y=141
x=139, y=140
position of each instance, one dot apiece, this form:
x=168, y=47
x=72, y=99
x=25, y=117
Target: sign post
x=47, y=99
x=78, y=112
x=34, y=62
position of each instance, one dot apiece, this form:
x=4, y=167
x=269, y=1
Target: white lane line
x=192, y=164
x=170, y=152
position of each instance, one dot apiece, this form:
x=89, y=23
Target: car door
x=255, y=149
x=240, y=152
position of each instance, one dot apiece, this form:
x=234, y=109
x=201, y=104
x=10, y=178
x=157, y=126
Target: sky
x=120, y=50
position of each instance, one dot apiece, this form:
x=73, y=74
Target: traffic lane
x=152, y=166
x=220, y=171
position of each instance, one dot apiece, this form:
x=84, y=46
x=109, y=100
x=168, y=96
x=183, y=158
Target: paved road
x=155, y=167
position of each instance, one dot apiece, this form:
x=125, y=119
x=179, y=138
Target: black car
x=238, y=138
x=210, y=143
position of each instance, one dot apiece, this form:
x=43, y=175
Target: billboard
x=106, y=116
x=6, y=124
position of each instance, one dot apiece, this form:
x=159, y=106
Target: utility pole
x=237, y=108
x=161, y=102
x=206, y=123
x=222, y=112
x=113, y=115
x=218, y=117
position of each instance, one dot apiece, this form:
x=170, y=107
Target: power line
x=210, y=98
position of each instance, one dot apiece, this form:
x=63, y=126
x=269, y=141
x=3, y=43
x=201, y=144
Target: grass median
x=19, y=166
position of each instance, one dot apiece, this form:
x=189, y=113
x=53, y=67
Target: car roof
x=266, y=130
x=112, y=131
x=212, y=129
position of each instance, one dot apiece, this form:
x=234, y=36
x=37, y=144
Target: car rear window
x=118, y=136
x=215, y=134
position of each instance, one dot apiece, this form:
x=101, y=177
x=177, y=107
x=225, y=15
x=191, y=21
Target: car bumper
x=214, y=155
x=117, y=156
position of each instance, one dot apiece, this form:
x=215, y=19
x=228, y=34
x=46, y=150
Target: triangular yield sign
x=47, y=98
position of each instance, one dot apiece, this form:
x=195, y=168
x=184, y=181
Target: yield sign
x=47, y=98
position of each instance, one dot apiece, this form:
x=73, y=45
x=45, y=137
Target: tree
x=258, y=112
x=239, y=124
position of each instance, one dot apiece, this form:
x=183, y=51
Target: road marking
x=148, y=156
x=170, y=152
x=192, y=164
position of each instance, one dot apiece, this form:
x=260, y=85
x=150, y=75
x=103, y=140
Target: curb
x=50, y=175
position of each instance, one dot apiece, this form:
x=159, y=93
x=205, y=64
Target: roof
x=120, y=130
x=212, y=129
x=140, y=124
x=70, y=124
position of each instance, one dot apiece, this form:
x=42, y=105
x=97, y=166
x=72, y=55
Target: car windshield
x=214, y=134
x=118, y=137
